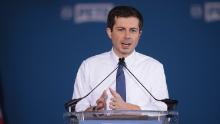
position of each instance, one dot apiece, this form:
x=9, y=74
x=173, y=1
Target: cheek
x=116, y=36
x=137, y=39
x=116, y=43
x=116, y=40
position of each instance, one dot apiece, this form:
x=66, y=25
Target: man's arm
x=81, y=87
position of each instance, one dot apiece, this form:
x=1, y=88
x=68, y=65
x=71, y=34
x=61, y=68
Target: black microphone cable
x=72, y=103
x=171, y=104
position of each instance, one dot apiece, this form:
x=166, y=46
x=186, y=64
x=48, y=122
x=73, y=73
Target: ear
x=140, y=33
x=109, y=32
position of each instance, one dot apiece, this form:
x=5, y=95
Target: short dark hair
x=123, y=11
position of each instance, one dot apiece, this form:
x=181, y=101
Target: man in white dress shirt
x=124, y=28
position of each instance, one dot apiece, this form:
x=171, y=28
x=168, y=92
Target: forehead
x=126, y=22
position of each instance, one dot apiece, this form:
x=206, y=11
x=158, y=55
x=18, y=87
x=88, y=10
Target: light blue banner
x=119, y=122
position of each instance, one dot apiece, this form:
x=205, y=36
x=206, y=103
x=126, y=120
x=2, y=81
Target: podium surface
x=122, y=117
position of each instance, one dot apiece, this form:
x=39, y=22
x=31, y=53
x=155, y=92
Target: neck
x=120, y=55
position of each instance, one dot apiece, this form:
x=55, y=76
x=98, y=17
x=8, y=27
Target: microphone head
x=171, y=103
x=72, y=103
x=121, y=61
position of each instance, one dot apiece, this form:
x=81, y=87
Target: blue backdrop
x=42, y=45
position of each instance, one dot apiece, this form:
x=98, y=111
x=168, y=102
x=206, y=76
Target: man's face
x=124, y=35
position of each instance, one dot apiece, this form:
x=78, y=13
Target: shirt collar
x=129, y=60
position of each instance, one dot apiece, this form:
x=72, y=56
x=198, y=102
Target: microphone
x=171, y=103
x=71, y=105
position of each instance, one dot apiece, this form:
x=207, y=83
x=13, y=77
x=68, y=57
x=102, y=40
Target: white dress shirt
x=149, y=71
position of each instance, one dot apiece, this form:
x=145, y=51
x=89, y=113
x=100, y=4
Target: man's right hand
x=100, y=103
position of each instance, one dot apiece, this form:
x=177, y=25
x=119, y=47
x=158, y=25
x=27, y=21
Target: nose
x=127, y=34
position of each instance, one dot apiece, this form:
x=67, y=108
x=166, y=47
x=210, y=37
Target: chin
x=126, y=53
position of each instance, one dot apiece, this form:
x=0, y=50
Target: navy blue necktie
x=120, y=81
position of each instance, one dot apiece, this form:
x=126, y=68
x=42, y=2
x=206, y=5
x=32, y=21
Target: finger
x=113, y=100
x=100, y=103
x=103, y=95
x=100, y=106
x=114, y=93
x=111, y=103
x=99, y=100
x=111, y=107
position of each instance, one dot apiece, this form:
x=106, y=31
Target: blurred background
x=43, y=42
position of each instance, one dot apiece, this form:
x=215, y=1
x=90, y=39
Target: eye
x=121, y=29
x=134, y=30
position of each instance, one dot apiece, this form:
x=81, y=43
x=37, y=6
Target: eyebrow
x=119, y=27
x=124, y=27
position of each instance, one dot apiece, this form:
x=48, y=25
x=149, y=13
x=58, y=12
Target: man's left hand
x=117, y=103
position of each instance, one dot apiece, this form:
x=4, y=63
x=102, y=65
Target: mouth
x=125, y=45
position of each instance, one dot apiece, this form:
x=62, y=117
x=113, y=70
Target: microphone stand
x=71, y=105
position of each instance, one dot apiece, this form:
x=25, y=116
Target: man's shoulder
x=143, y=58
x=98, y=58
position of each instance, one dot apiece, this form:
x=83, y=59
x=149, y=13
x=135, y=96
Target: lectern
x=122, y=117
